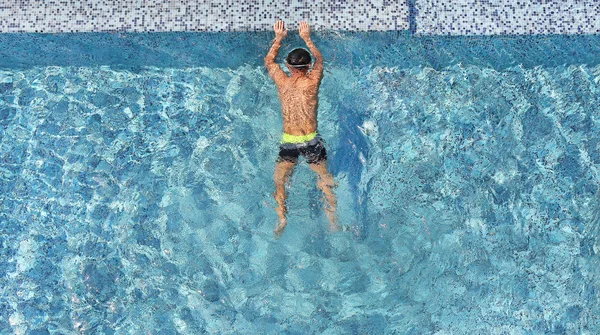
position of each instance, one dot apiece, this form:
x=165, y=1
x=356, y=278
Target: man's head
x=299, y=59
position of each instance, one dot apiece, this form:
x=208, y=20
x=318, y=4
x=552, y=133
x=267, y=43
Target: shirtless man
x=299, y=101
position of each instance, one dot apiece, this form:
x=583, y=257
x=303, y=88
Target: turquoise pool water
x=136, y=187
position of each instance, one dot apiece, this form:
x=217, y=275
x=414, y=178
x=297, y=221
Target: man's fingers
x=304, y=26
x=279, y=25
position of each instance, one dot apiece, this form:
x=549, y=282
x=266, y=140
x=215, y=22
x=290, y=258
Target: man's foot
x=279, y=228
x=334, y=227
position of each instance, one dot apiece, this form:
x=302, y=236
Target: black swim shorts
x=313, y=151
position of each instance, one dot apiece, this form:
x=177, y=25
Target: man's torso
x=299, y=103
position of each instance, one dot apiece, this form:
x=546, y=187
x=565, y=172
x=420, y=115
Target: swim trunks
x=311, y=146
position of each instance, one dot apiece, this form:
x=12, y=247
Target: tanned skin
x=298, y=94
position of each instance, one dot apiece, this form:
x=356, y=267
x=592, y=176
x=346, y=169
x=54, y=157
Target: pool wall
x=423, y=17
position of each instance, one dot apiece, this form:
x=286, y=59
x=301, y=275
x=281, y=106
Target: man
x=298, y=94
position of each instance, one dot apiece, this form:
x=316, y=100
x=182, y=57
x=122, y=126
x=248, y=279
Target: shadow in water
x=352, y=150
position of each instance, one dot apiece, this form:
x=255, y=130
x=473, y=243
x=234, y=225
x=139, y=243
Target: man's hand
x=280, y=31
x=304, y=30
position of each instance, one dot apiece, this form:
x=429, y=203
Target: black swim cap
x=299, y=58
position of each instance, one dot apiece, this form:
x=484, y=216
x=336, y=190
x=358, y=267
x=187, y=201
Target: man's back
x=299, y=104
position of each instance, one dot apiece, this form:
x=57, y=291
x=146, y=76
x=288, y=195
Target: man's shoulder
x=281, y=80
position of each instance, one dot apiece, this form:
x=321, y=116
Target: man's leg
x=327, y=184
x=283, y=171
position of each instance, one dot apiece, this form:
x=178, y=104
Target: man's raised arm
x=274, y=70
x=317, y=69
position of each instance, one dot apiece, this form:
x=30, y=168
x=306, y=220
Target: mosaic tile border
x=423, y=17
x=507, y=17
x=52, y=16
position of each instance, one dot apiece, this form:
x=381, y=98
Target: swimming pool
x=136, y=192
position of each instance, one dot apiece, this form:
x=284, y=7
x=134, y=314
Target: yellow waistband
x=287, y=138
